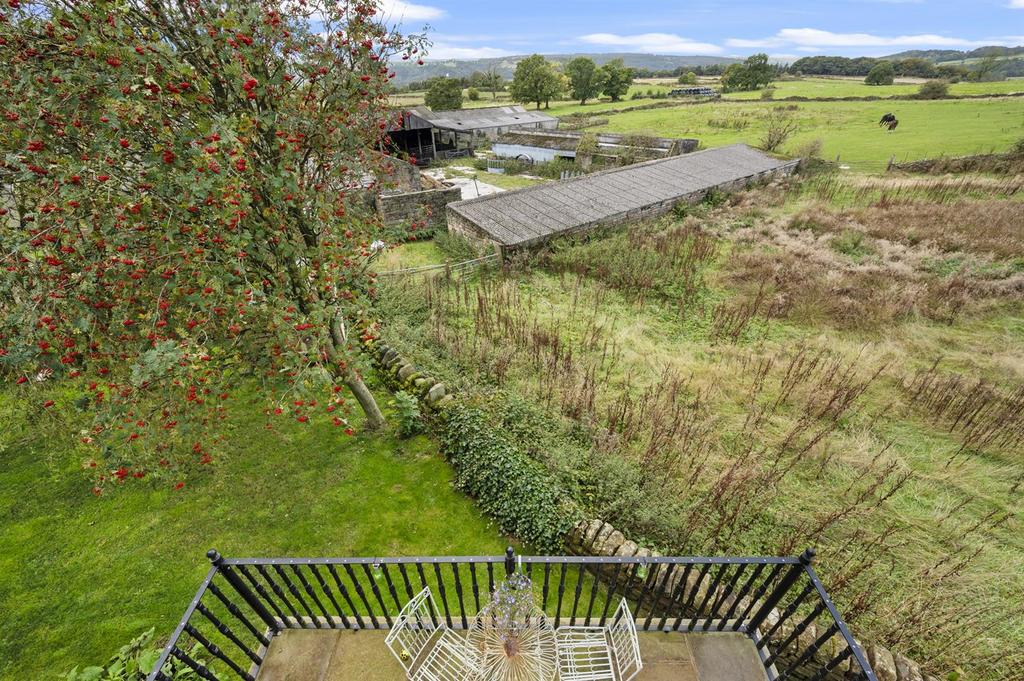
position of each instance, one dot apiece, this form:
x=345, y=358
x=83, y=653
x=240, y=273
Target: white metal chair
x=610, y=653
x=426, y=648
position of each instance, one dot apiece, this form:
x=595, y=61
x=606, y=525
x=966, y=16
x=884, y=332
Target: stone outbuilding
x=528, y=217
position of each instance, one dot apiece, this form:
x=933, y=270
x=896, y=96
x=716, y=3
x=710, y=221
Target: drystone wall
x=400, y=374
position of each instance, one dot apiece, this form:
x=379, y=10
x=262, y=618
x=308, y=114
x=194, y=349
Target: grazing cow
x=889, y=121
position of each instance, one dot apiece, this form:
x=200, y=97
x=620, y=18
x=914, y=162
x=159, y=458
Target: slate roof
x=482, y=118
x=525, y=216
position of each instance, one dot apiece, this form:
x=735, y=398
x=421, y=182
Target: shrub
x=407, y=409
x=854, y=244
x=132, y=662
x=768, y=93
x=472, y=94
x=933, y=89
x=510, y=487
x=779, y=127
x=810, y=149
x=456, y=247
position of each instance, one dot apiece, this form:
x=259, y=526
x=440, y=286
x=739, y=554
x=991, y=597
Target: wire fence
x=464, y=266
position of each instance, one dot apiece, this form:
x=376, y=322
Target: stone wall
x=598, y=538
x=404, y=176
x=1000, y=164
x=468, y=229
x=400, y=374
x=428, y=203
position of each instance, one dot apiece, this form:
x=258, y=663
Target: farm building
x=539, y=146
x=531, y=216
x=428, y=134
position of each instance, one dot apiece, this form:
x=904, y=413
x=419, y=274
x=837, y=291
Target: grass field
x=876, y=280
x=842, y=87
x=848, y=130
x=81, y=575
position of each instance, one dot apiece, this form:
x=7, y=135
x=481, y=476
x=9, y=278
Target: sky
x=785, y=29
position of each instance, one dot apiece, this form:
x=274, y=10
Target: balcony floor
x=342, y=655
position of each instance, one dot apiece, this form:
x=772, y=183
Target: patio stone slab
x=725, y=657
x=310, y=655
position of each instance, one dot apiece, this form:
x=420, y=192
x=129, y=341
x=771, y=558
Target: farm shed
x=530, y=216
x=430, y=134
x=539, y=146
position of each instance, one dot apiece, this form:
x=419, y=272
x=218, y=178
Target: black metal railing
x=779, y=602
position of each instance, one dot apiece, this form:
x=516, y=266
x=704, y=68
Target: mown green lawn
x=81, y=575
x=848, y=130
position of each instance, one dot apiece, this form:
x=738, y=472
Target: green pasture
x=847, y=130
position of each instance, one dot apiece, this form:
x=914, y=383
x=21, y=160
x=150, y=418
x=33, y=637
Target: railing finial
x=215, y=557
x=510, y=561
x=807, y=557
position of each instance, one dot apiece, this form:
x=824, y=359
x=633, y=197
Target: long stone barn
x=529, y=217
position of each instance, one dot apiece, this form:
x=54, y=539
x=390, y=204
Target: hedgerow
x=508, y=485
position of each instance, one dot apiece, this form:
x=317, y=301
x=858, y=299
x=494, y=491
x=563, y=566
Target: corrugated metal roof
x=485, y=117
x=527, y=215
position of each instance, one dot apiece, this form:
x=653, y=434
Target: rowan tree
x=183, y=212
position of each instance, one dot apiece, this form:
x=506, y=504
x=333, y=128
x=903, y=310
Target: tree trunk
x=374, y=417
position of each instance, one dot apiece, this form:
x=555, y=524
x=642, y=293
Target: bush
x=132, y=662
x=472, y=94
x=456, y=247
x=854, y=244
x=510, y=487
x=768, y=93
x=933, y=89
x=779, y=127
x=810, y=149
x=407, y=409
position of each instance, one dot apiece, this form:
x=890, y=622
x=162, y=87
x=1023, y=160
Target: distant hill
x=938, y=56
x=407, y=72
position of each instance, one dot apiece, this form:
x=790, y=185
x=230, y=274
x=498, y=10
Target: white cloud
x=1016, y=4
x=656, y=43
x=813, y=36
x=449, y=51
x=809, y=39
x=399, y=11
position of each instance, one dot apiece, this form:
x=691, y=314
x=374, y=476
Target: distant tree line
x=990, y=67
x=484, y=81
